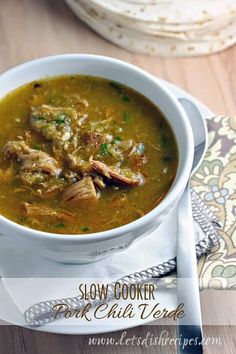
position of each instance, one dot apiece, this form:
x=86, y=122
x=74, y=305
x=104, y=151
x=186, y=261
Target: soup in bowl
x=94, y=154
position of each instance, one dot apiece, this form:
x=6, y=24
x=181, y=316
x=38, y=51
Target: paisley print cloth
x=215, y=182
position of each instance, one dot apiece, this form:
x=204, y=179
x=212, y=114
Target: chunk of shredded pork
x=36, y=166
x=122, y=176
x=81, y=190
x=41, y=212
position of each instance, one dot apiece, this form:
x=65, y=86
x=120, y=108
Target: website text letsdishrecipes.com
x=150, y=340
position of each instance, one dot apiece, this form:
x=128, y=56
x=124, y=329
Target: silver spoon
x=190, y=326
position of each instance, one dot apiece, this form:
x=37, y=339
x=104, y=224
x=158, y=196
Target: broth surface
x=81, y=154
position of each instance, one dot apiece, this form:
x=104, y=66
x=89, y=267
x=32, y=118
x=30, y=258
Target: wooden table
x=31, y=29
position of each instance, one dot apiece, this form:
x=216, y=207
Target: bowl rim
x=171, y=195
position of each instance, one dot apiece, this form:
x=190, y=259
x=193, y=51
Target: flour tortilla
x=154, y=45
x=212, y=30
x=157, y=28
x=167, y=11
x=220, y=34
x=180, y=17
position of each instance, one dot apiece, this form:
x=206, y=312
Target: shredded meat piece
x=81, y=190
x=116, y=174
x=94, y=139
x=77, y=164
x=27, y=136
x=50, y=192
x=99, y=182
x=125, y=145
x=78, y=101
x=54, y=123
x=40, y=161
x=137, y=156
x=14, y=148
x=70, y=176
x=82, y=119
x=32, y=160
x=36, y=166
x=138, y=161
x=40, y=212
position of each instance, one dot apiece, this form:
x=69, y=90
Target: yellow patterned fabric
x=215, y=182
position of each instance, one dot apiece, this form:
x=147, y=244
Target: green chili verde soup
x=81, y=154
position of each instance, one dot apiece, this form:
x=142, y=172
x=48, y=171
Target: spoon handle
x=190, y=326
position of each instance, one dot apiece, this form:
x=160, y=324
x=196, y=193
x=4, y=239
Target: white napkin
x=158, y=247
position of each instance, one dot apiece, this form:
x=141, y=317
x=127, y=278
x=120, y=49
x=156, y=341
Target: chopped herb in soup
x=81, y=154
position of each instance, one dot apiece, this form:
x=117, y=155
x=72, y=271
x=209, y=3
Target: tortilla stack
x=162, y=27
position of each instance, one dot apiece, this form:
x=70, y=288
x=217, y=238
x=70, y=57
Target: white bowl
x=91, y=247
